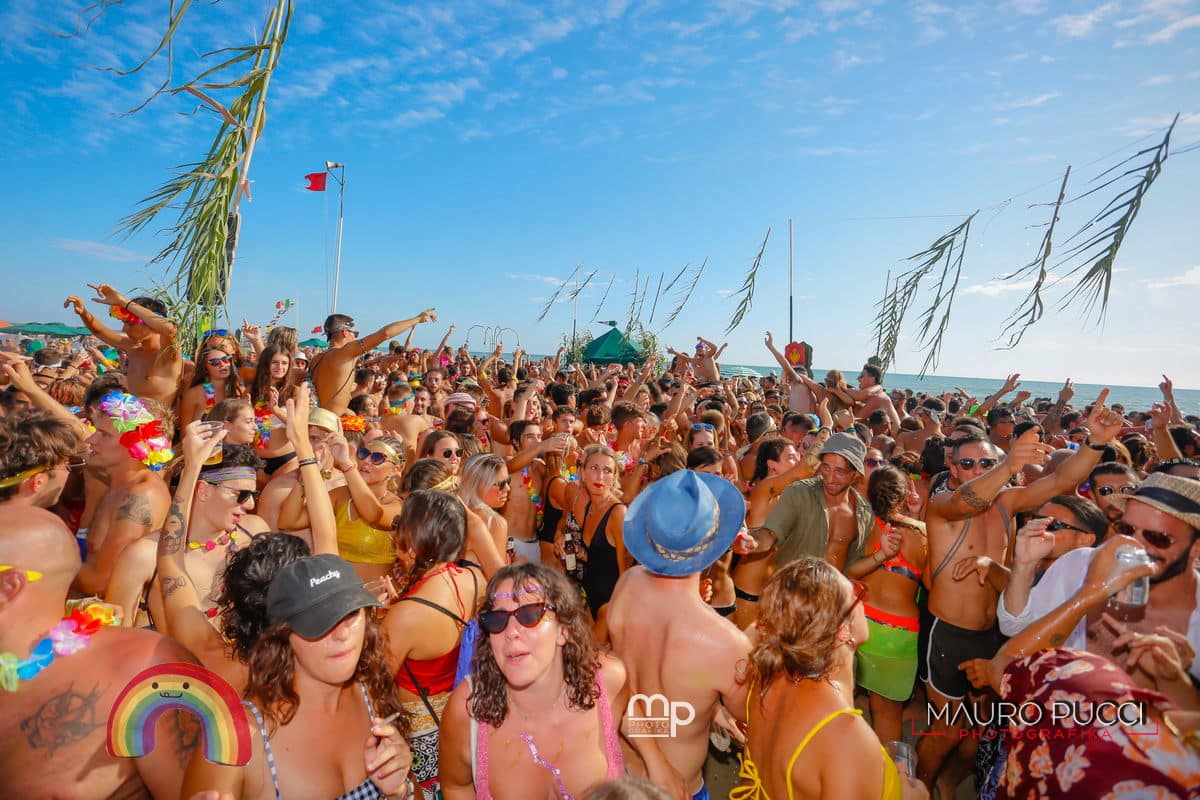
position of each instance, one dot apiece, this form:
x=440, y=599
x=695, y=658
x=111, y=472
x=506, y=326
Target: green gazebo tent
x=611, y=348
x=46, y=329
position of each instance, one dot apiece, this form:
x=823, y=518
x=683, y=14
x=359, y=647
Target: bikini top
x=364, y=791
x=359, y=542
x=897, y=564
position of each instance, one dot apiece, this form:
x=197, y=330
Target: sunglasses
x=1058, y=525
x=242, y=494
x=218, y=361
x=1105, y=491
x=1156, y=539
x=214, y=332
x=969, y=463
x=861, y=594
x=529, y=615
x=874, y=462
x=447, y=453
x=30, y=574
x=703, y=426
x=374, y=456
x=502, y=485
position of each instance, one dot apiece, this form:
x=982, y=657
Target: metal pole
x=791, y=338
x=337, y=259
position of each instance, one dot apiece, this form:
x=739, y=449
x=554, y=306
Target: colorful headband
x=141, y=434
x=128, y=317
x=21, y=477
x=229, y=474
x=355, y=423
x=446, y=485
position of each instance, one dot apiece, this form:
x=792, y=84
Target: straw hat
x=324, y=419
x=1170, y=494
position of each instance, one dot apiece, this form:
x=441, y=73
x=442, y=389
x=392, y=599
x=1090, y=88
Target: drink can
x=1138, y=592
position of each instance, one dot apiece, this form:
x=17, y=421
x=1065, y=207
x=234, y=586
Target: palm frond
x=600, y=307
x=1032, y=307
x=581, y=286
x=685, y=295
x=678, y=275
x=554, y=297
x=633, y=300
x=206, y=194
x=747, y=288
x=880, y=323
x=948, y=250
x=657, y=294
x=1096, y=255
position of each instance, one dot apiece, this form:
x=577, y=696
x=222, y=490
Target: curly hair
x=488, y=701
x=425, y=473
x=799, y=613
x=433, y=526
x=886, y=489
x=272, y=670
x=242, y=598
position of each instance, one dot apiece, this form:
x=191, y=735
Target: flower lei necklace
x=539, y=503
x=213, y=544
x=262, y=418
x=210, y=395
x=66, y=638
x=140, y=433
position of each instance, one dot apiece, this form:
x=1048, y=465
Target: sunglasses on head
x=455, y=452
x=31, y=575
x=214, y=332
x=874, y=462
x=242, y=494
x=1157, y=539
x=861, y=594
x=1105, y=491
x=969, y=463
x=374, y=456
x=703, y=426
x=529, y=615
x=1058, y=525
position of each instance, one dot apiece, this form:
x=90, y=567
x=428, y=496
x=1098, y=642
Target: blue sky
x=491, y=146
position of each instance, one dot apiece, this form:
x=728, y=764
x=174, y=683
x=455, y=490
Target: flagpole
x=790, y=337
x=330, y=166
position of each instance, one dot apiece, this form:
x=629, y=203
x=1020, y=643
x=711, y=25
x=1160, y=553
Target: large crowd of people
x=428, y=574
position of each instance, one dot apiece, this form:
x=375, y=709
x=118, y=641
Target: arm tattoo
x=185, y=735
x=137, y=508
x=1057, y=639
x=172, y=584
x=64, y=720
x=972, y=499
x=171, y=540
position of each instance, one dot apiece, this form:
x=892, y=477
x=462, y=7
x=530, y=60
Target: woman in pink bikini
x=541, y=713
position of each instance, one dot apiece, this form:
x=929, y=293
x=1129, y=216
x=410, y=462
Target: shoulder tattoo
x=64, y=719
x=172, y=584
x=972, y=498
x=136, y=508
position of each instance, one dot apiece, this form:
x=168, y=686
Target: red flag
x=316, y=181
x=318, y=329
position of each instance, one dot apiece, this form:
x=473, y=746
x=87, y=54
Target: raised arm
x=369, y=342
x=99, y=330
x=974, y=496
x=789, y=372
x=17, y=370
x=1011, y=383
x=321, y=520
x=1052, y=424
x=107, y=295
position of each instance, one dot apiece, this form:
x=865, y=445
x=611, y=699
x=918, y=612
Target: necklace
x=539, y=505
x=210, y=395
x=213, y=544
x=66, y=638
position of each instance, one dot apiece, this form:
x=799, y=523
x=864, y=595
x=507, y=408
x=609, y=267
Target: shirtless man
x=704, y=363
x=930, y=414
x=333, y=370
x=525, y=466
x=54, y=723
x=803, y=393
x=147, y=339
x=823, y=517
x=874, y=397
x=409, y=427
x=674, y=645
x=137, y=499
x=972, y=521
x=220, y=523
x=37, y=452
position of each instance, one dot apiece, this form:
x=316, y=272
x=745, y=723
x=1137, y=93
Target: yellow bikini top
x=360, y=542
x=749, y=771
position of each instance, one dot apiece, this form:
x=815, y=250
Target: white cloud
x=414, y=117
x=1027, y=7
x=310, y=23
x=1027, y=102
x=836, y=150
x=104, y=252
x=558, y=73
x=928, y=114
x=1079, y=25
x=843, y=61
x=1168, y=33
x=1143, y=126
x=1158, y=80
x=996, y=287
x=1189, y=278
x=795, y=29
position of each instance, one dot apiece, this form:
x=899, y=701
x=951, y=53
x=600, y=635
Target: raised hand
x=889, y=545
x=340, y=448
x=1103, y=423
x=1066, y=393
x=1167, y=388
x=1026, y=450
x=1033, y=542
x=1108, y=576
x=770, y=340
x=17, y=369
x=1012, y=382
x=200, y=439
x=107, y=295
x=1021, y=397
x=251, y=330
x=77, y=305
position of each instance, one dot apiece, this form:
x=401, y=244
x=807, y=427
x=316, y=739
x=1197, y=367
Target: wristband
x=1097, y=447
x=306, y=462
x=127, y=302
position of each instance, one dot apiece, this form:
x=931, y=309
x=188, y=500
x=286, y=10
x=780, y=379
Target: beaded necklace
x=213, y=544
x=67, y=638
x=262, y=417
x=539, y=502
x=210, y=395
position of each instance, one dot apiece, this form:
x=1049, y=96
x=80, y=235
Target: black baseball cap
x=314, y=594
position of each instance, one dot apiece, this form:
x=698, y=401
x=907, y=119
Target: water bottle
x=1136, y=594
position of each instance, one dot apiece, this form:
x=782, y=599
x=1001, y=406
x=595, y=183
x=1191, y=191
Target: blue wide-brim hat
x=684, y=522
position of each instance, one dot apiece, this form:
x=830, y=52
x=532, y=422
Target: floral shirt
x=1059, y=745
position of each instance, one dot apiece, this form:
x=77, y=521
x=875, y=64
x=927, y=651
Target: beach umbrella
x=313, y=342
x=735, y=371
x=47, y=329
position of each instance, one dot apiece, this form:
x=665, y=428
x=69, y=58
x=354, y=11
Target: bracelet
x=344, y=470
x=127, y=302
x=306, y=462
x=1098, y=447
x=826, y=429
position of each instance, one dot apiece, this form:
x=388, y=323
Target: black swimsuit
x=600, y=577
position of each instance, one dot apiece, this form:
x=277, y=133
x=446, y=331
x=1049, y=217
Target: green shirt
x=800, y=522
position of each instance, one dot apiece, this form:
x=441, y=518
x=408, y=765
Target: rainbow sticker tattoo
x=184, y=687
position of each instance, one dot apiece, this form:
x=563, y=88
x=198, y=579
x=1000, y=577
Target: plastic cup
x=905, y=757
